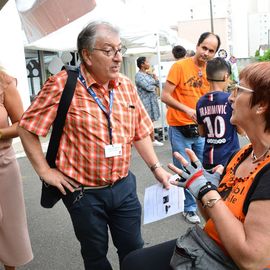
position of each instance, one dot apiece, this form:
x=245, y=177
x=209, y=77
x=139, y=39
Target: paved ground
x=54, y=244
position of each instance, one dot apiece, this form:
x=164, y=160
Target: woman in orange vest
x=236, y=204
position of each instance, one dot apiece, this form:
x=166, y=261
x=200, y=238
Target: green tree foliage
x=257, y=53
x=265, y=56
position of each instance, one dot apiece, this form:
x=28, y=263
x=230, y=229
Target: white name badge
x=113, y=150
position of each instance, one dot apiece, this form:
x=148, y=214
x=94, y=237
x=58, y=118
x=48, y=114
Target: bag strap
x=62, y=110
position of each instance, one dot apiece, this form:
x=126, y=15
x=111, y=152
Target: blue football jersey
x=214, y=112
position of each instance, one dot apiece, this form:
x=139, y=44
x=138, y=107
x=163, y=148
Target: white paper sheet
x=160, y=203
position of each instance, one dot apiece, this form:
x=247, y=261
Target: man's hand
x=192, y=114
x=55, y=178
x=163, y=177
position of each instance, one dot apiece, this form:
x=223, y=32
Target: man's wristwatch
x=155, y=166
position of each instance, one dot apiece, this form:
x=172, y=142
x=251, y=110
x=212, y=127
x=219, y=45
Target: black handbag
x=50, y=195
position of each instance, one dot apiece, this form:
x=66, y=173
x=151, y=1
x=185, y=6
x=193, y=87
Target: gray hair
x=87, y=37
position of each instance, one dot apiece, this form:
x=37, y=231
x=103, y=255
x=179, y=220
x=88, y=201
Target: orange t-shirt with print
x=234, y=191
x=190, y=84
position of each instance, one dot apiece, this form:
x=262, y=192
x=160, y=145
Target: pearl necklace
x=257, y=159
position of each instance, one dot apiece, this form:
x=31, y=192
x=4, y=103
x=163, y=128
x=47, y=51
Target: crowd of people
x=228, y=185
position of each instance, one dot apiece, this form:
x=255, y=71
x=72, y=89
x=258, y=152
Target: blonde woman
x=15, y=247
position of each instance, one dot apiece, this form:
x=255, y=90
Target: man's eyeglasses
x=112, y=52
x=239, y=89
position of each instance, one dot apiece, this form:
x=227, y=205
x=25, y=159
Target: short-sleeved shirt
x=81, y=153
x=190, y=84
x=214, y=112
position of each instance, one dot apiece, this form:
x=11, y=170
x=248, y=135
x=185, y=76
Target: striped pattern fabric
x=81, y=153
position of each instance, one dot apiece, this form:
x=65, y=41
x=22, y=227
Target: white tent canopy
x=134, y=33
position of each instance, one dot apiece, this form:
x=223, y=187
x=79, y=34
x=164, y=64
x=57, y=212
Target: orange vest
x=234, y=190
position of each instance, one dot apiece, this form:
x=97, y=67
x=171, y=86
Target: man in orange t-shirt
x=186, y=83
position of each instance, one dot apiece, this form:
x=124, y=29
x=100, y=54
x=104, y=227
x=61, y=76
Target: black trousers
x=116, y=207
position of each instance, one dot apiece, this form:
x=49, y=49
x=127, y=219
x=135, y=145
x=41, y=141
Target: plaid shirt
x=81, y=153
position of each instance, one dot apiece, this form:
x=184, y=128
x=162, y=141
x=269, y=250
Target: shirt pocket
x=124, y=116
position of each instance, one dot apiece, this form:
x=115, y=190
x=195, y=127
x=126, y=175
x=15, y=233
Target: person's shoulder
x=7, y=82
x=185, y=61
x=123, y=78
x=219, y=94
x=5, y=79
x=223, y=95
x=137, y=75
x=203, y=98
x=182, y=63
x=126, y=85
x=58, y=78
x=177, y=64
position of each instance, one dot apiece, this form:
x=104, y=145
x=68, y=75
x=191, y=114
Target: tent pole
x=160, y=85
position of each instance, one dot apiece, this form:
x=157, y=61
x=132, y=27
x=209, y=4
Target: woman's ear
x=261, y=108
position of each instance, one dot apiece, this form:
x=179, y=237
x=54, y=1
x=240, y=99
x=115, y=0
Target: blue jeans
x=116, y=207
x=178, y=143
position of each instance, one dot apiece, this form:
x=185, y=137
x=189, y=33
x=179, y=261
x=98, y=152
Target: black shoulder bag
x=50, y=195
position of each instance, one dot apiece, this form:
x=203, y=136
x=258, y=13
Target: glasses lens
x=110, y=52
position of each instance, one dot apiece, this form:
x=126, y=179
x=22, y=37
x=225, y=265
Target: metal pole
x=211, y=17
x=160, y=86
x=42, y=74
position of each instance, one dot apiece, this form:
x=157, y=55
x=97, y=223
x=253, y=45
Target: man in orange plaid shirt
x=105, y=118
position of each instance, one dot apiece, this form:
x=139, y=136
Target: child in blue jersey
x=213, y=115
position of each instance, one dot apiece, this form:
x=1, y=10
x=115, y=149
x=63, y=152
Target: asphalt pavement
x=53, y=241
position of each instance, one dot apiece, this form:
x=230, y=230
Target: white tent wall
x=12, y=56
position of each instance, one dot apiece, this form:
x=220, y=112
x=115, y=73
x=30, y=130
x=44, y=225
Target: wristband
x=155, y=166
x=205, y=189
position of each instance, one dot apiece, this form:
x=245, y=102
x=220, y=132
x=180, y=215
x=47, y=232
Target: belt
x=87, y=187
x=189, y=126
x=82, y=187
